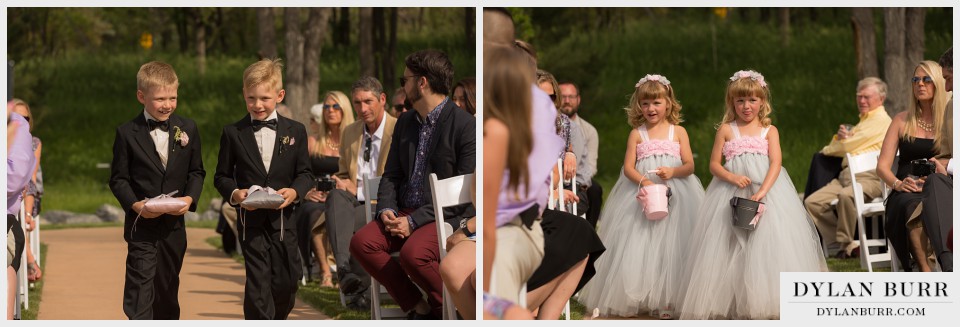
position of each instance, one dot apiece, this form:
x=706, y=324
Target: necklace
x=924, y=125
x=333, y=146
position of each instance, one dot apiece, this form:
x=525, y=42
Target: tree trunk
x=200, y=30
x=765, y=15
x=316, y=29
x=865, y=42
x=293, y=82
x=785, y=27
x=390, y=53
x=894, y=67
x=267, y=33
x=915, y=19
x=468, y=25
x=379, y=39
x=367, y=65
x=343, y=28
x=180, y=16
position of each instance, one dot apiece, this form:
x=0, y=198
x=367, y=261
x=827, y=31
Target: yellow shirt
x=867, y=135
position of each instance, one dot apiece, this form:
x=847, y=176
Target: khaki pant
x=519, y=253
x=840, y=224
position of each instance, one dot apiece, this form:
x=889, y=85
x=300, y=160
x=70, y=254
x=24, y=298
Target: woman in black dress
x=913, y=133
x=326, y=123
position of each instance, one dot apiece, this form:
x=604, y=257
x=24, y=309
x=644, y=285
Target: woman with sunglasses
x=912, y=133
x=326, y=123
x=33, y=192
x=465, y=95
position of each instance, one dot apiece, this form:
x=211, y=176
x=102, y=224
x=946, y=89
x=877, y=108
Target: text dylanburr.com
x=858, y=296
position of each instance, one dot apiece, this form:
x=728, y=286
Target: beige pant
x=519, y=253
x=841, y=225
x=231, y=215
x=11, y=248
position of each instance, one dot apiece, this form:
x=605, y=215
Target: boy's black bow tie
x=258, y=124
x=162, y=125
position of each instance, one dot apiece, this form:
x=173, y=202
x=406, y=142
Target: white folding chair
x=448, y=192
x=371, y=185
x=22, y=283
x=858, y=164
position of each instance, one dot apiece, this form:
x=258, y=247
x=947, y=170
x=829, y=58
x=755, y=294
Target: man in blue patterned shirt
x=437, y=138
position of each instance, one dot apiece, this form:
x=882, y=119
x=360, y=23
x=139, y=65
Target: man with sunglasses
x=838, y=224
x=363, y=152
x=439, y=138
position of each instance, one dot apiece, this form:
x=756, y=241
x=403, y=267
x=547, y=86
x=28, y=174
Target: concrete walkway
x=85, y=273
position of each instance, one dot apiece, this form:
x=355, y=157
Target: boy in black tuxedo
x=155, y=153
x=268, y=150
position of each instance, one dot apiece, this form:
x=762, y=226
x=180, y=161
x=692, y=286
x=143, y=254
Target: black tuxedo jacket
x=452, y=152
x=136, y=172
x=240, y=166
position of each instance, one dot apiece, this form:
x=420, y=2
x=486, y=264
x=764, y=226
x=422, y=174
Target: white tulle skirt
x=644, y=262
x=735, y=273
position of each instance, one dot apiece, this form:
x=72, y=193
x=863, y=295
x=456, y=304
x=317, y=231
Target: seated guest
x=323, y=146
x=438, y=138
x=465, y=95
x=937, y=213
x=459, y=268
x=399, y=104
x=363, y=150
x=840, y=225
x=912, y=133
x=20, y=165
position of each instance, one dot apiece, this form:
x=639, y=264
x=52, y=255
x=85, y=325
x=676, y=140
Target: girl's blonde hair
x=940, y=98
x=648, y=91
x=746, y=87
x=507, y=81
x=345, y=107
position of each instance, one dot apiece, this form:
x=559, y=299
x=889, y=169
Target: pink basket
x=653, y=198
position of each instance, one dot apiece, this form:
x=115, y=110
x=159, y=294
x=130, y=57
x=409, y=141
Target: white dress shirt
x=266, y=140
x=161, y=139
x=369, y=168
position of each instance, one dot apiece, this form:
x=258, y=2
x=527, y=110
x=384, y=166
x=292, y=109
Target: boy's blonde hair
x=266, y=71
x=156, y=74
x=746, y=87
x=650, y=90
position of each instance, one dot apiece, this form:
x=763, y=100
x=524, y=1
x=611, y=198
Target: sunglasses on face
x=26, y=118
x=334, y=106
x=398, y=107
x=553, y=97
x=925, y=79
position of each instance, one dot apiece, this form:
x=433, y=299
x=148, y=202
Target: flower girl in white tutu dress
x=734, y=273
x=642, y=269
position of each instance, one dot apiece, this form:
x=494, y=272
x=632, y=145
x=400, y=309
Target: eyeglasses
x=399, y=107
x=27, y=118
x=366, y=149
x=403, y=80
x=334, y=106
x=569, y=97
x=926, y=80
x=553, y=97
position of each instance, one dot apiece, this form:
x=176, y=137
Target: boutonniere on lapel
x=286, y=142
x=181, y=137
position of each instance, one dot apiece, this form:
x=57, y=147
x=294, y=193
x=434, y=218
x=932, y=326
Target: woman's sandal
x=327, y=281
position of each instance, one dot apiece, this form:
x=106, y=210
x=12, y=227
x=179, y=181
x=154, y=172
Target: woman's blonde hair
x=940, y=98
x=544, y=76
x=345, y=107
x=17, y=102
x=507, y=97
x=650, y=90
x=747, y=87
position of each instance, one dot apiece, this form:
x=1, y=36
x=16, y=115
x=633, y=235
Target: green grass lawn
x=36, y=292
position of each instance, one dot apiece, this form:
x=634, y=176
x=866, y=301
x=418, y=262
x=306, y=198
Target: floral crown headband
x=653, y=78
x=749, y=74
